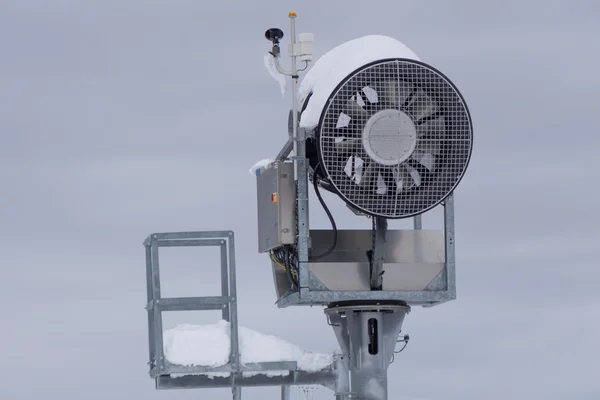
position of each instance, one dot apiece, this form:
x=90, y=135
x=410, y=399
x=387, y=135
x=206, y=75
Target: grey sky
x=122, y=118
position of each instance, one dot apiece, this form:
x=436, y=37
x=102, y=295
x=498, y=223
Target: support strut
x=378, y=252
x=367, y=335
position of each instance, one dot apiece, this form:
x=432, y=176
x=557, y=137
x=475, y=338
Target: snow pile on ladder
x=209, y=346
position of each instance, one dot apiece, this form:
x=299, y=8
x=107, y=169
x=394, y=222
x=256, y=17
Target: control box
x=276, y=202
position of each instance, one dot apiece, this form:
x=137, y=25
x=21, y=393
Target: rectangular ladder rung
x=251, y=367
x=189, y=242
x=190, y=303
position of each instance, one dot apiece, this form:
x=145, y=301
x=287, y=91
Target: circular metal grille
x=395, y=138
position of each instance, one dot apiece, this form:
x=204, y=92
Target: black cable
x=289, y=253
x=403, y=347
x=281, y=256
x=333, y=226
x=405, y=340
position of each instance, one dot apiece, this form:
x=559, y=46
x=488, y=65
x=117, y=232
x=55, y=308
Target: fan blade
x=389, y=179
x=353, y=167
x=430, y=117
x=370, y=95
x=348, y=146
x=402, y=178
x=420, y=105
x=414, y=174
x=382, y=186
x=426, y=159
x=434, y=129
x=428, y=146
x=369, y=175
x=343, y=121
x=355, y=111
x=387, y=93
x=405, y=89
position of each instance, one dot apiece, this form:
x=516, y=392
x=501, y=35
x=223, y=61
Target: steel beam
x=325, y=378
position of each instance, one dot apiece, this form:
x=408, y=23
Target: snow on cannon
x=392, y=137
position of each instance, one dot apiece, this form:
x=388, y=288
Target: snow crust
x=272, y=69
x=261, y=166
x=209, y=345
x=331, y=68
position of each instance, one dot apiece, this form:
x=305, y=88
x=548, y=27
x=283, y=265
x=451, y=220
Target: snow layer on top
x=261, y=166
x=339, y=62
x=209, y=345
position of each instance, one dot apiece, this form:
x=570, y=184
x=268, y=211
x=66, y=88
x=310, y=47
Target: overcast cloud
x=122, y=118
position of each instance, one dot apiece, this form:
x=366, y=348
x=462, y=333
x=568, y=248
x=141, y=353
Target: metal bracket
x=378, y=252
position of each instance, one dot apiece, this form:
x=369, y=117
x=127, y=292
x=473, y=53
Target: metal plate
x=276, y=198
x=413, y=259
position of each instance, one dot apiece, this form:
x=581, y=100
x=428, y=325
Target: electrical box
x=276, y=202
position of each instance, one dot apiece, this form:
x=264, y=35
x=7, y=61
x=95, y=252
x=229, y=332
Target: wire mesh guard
x=395, y=138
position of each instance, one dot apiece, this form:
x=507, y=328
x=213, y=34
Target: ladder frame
x=195, y=376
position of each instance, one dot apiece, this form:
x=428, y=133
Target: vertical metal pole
x=292, y=17
x=158, y=326
x=285, y=393
x=449, y=244
x=224, y=280
x=234, y=357
x=235, y=354
x=368, y=374
x=418, y=223
x=303, y=223
x=300, y=170
x=342, y=378
x=369, y=337
x=150, y=302
x=378, y=253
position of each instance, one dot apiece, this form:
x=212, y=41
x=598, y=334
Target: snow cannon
x=391, y=136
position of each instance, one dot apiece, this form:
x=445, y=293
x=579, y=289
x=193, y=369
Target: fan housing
x=394, y=139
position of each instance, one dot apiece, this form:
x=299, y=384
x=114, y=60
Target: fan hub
x=389, y=137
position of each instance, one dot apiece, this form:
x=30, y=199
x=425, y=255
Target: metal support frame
x=417, y=222
x=307, y=296
x=325, y=378
x=303, y=226
x=157, y=304
x=367, y=335
x=172, y=376
x=378, y=254
x=297, y=143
